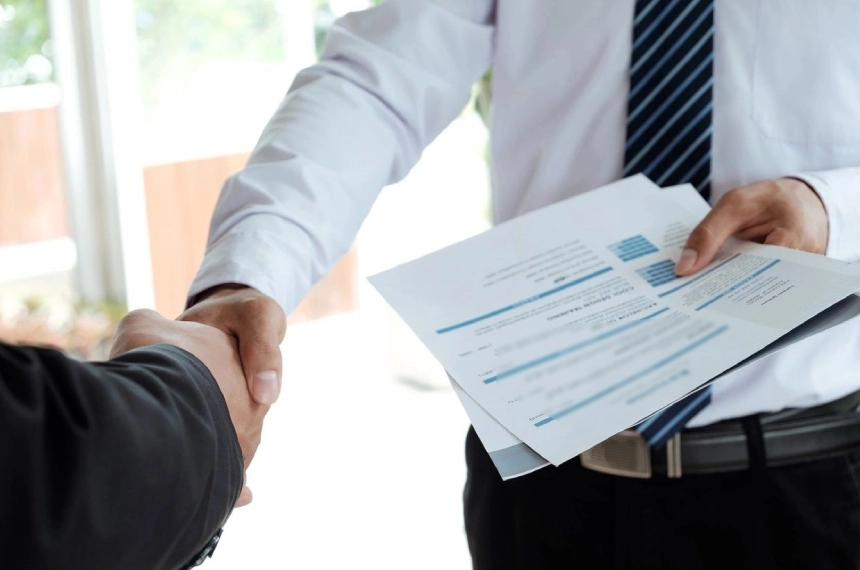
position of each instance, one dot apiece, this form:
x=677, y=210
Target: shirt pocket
x=806, y=71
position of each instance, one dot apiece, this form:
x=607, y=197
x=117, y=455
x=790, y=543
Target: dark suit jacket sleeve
x=127, y=464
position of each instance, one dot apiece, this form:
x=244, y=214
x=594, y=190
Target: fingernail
x=687, y=261
x=266, y=387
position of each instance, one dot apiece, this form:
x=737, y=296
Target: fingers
x=781, y=237
x=245, y=497
x=755, y=233
x=727, y=217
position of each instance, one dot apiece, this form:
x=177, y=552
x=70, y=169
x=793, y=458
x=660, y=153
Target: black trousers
x=804, y=516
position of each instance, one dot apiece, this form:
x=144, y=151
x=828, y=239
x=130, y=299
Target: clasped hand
x=237, y=338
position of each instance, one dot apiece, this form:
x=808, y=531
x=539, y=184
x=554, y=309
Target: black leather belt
x=790, y=437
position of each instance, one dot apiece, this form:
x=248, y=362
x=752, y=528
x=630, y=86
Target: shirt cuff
x=258, y=259
x=839, y=191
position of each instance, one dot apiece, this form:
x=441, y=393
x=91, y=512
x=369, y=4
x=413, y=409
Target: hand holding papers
x=568, y=325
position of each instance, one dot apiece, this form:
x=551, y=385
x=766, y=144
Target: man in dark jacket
x=133, y=463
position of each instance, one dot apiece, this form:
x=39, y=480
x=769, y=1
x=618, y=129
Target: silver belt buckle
x=627, y=454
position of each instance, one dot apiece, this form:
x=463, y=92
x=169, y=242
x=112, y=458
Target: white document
x=509, y=454
x=688, y=198
x=497, y=311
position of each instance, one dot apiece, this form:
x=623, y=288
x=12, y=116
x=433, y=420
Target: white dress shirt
x=786, y=103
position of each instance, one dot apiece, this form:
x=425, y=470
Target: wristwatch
x=207, y=551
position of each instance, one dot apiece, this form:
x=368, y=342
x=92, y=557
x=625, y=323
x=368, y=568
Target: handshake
x=236, y=332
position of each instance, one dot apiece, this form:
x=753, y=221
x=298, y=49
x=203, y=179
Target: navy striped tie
x=669, y=128
x=671, y=78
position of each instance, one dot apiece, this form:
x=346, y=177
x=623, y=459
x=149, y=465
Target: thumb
x=709, y=236
x=259, y=349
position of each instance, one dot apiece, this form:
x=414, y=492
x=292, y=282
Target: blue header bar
x=524, y=301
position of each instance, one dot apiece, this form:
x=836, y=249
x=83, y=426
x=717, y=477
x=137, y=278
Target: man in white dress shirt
x=756, y=102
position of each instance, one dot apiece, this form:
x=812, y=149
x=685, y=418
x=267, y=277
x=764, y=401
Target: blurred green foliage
x=177, y=38
x=25, y=48
x=186, y=32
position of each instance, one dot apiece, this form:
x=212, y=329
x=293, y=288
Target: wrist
x=216, y=291
x=819, y=189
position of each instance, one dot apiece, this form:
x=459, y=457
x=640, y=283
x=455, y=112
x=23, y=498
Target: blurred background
x=119, y=122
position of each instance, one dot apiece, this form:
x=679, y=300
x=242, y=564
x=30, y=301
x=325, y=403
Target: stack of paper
x=567, y=325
